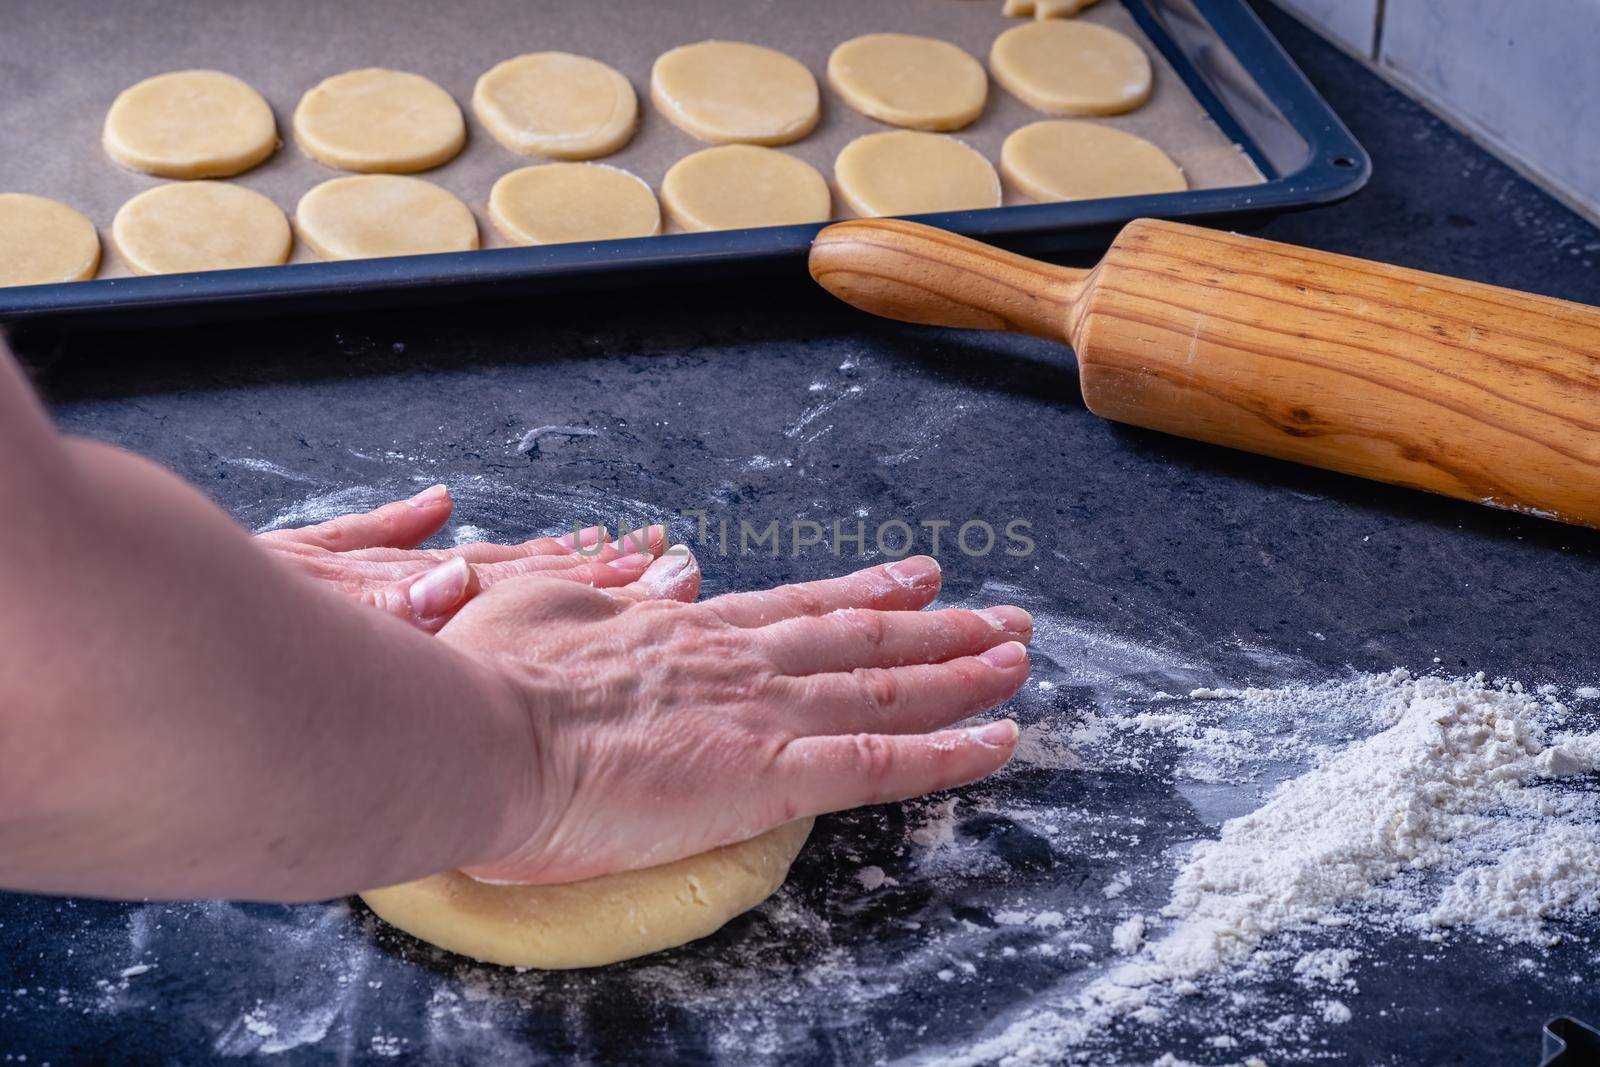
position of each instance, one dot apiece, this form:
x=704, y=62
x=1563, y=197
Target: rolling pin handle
x=914, y=273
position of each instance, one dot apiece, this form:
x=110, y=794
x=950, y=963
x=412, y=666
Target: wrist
x=512, y=809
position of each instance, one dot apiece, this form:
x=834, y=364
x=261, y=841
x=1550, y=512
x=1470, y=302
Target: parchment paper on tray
x=65, y=62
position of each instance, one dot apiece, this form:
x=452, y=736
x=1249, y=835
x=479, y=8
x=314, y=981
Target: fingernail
x=441, y=589
x=636, y=562
x=995, y=734
x=1012, y=620
x=670, y=567
x=431, y=495
x=915, y=571
x=1005, y=656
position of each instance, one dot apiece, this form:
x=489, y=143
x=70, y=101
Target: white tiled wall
x=1521, y=76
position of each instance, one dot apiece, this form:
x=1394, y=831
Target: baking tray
x=1229, y=105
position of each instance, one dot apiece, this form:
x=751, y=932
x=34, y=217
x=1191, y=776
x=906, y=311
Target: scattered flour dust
x=1445, y=809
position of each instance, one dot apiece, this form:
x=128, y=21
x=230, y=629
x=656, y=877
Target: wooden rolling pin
x=1472, y=391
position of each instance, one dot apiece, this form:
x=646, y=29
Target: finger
x=431, y=599
x=910, y=699
x=675, y=575
x=860, y=637
x=823, y=774
x=565, y=564
x=905, y=585
x=401, y=524
x=475, y=552
x=651, y=539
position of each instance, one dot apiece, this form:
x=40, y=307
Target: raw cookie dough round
x=374, y=215
x=379, y=121
x=1060, y=159
x=730, y=92
x=598, y=921
x=920, y=82
x=736, y=186
x=556, y=104
x=908, y=173
x=190, y=226
x=190, y=124
x=43, y=241
x=1071, y=68
x=561, y=202
x=1045, y=9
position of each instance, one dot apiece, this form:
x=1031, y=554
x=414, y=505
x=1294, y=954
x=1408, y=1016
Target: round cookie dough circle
x=598, y=921
x=737, y=186
x=556, y=104
x=44, y=241
x=190, y=124
x=379, y=121
x=374, y=215
x=729, y=92
x=1071, y=68
x=919, y=82
x=909, y=173
x=1060, y=159
x=559, y=203
x=194, y=226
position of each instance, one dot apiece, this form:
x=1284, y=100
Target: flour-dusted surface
x=1162, y=567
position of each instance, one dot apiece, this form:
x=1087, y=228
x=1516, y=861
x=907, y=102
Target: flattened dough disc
x=735, y=186
x=920, y=82
x=594, y=922
x=190, y=124
x=556, y=104
x=1071, y=68
x=190, y=226
x=1060, y=159
x=909, y=173
x=379, y=121
x=730, y=92
x=1045, y=9
x=373, y=215
x=562, y=202
x=44, y=241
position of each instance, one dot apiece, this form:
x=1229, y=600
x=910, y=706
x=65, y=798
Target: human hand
x=372, y=557
x=661, y=729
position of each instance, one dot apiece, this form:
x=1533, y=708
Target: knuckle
x=802, y=601
x=881, y=689
x=868, y=627
x=874, y=756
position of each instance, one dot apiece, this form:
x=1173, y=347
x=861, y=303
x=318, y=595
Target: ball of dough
x=374, y=215
x=1060, y=159
x=908, y=173
x=598, y=921
x=556, y=104
x=43, y=241
x=562, y=202
x=736, y=186
x=920, y=82
x=190, y=124
x=191, y=226
x=1071, y=68
x=379, y=121
x=730, y=92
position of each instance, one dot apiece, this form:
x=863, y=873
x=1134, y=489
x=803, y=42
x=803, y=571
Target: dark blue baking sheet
x=1226, y=57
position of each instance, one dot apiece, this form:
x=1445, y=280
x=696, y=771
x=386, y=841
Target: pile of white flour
x=1456, y=804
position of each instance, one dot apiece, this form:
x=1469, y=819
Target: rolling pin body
x=1392, y=374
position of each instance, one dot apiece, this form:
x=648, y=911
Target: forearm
x=184, y=719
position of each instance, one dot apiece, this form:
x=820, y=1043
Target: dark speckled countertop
x=1159, y=562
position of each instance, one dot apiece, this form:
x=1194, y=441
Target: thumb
x=432, y=598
